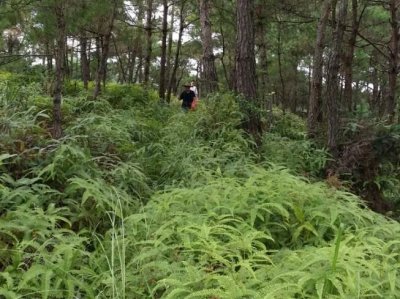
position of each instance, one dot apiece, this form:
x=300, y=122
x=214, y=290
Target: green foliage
x=126, y=96
x=141, y=200
x=65, y=162
x=303, y=157
x=190, y=144
x=119, y=96
x=288, y=125
x=370, y=159
x=286, y=144
x=268, y=235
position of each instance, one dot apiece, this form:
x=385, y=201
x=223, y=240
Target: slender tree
x=315, y=100
x=49, y=57
x=149, y=33
x=85, y=67
x=261, y=43
x=182, y=25
x=135, y=50
x=105, y=47
x=59, y=11
x=246, y=66
x=209, y=79
x=348, y=56
x=161, y=90
x=284, y=99
x=169, y=49
x=393, y=59
x=332, y=94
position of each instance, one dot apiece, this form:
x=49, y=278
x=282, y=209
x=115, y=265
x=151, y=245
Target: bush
x=288, y=125
x=126, y=96
x=303, y=157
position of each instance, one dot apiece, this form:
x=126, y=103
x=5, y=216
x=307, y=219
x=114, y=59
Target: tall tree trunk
x=246, y=78
x=131, y=63
x=59, y=11
x=374, y=101
x=169, y=50
x=393, y=61
x=120, y=62
x=333, y=78
x=71, y=71
x=89, y=56
x=149, y=33
x=138, y=78
x=136, y=49
x=209, y=79
x=349, y=57
x=161, y=90
x=49, y=58
x=261, y=43
x=101, y=73
x=282, y=80
x=172, y=79
x=98, y=42
x=315, y=101
x=293, y=93
x=85, y=68
x=222, y=58
x=67, y=70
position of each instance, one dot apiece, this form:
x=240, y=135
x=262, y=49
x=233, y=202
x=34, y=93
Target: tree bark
x=59, y=11
x=333, y=78
x=393, y=60
x=49, y=58
x=85, y=68
x=294, y=87
x=120, y=62
x=149, y=33
x=282, y=79
x=209, y=79
x=228, y=79
x=161, y=90
x=131, y=63
x=169, y=50
x=66, y=61
x=349, y=57
x=315, y=100
x=71, y=68
x=246, y=78
x=261, y=44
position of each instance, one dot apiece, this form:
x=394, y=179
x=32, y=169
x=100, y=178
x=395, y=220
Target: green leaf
x=33, y=273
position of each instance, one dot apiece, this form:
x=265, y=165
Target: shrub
x=288, y=125
x=303, y=157
x=126, y=96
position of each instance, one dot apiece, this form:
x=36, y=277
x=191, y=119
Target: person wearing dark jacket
x=187, y=97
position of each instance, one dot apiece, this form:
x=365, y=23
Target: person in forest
x=187, y=96
x=194, y=89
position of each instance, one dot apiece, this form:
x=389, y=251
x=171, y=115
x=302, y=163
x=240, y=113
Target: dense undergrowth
x=140, y=200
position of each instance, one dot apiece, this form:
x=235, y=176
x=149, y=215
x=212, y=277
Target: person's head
x=193, y=83
x=187, y=86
